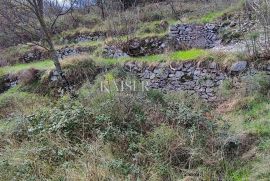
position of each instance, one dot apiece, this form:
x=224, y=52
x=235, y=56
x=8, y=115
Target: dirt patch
x=227, y=106
x=238, y=145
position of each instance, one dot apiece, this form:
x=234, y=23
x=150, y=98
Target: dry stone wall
x=201, y=78
x=144, y=47
x=7, y=82
x=178, y=77
x=194, y=36
x=84, y=37
x=136, y=47
x=38, y=54
x=182, y=36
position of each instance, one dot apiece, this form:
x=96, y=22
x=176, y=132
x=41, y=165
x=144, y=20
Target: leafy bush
x=79, y=69
x=259, y=83
x=156, y=96
x=68, y=118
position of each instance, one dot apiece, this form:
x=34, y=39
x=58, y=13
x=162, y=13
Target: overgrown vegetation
x=115, y=134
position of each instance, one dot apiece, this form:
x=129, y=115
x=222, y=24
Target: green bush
x=156, y=96
x=257, y=84
x=69, y=119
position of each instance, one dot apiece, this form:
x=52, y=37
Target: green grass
x=174, y=56
x=212, y=16
x=43, y=65
x=83, y=44
x=188, y=55
x=257, y=118
x=11, y=54
x=253, y=116
x=17, y=102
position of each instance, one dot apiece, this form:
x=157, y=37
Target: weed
x=187, y=55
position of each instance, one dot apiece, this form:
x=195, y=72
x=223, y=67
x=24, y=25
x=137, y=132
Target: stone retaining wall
x=41, y=54
x=194, y=36
x=201, y=78
x=7, y=82
x=136, y=47
x=182, y=36
x=144, y=47
x=84, y=37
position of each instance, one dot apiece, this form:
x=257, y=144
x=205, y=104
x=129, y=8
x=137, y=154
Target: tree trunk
x=47, y=33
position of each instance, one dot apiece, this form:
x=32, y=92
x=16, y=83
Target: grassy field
x=174, y=56
x=43, y=65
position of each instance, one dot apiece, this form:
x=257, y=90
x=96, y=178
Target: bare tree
x=262, y=12
x=38, y=19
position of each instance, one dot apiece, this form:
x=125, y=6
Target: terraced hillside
x=166, y=90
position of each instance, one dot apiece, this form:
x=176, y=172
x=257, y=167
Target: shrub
x=183, y=115
x=68, y=118
x=156, y=96
x=79, y=69
x=12, y=54
x=28, y=76
x=259, y=83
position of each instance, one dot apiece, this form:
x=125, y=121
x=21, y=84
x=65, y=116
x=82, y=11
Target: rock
x=204, y=96
x=193, y=36
x=157, y=71
x=209, y=83
x=171, y=75
x=129, y=66
x=213, y=65
x=146, y=75
x=238, y=67
x=199, y=80
x=209, y=90
x=268, y=68
x=233, y=24
x=113, y=52
x=179, y=74
x=152, y=76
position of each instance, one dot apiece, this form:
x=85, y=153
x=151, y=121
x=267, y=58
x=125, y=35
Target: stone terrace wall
x=183, y=36
x=144, y=47
x=136, y=47
x=40, y=54
x=177, y=76
x=194, y=36
x=201, y=78
x=7, y=82
x=83, y=37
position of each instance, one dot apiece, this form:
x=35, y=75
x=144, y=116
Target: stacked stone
x=71, y=51
x=189, y=76
x=144, y=47
x=61, y=53
x=113, y=52
x=32, y=56
x=7, y=82
x=65, y=52
x=86, y=37
x=194, y=36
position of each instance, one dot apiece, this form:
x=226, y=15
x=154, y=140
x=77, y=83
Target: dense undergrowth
x=134, y=135
x=131, y=135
